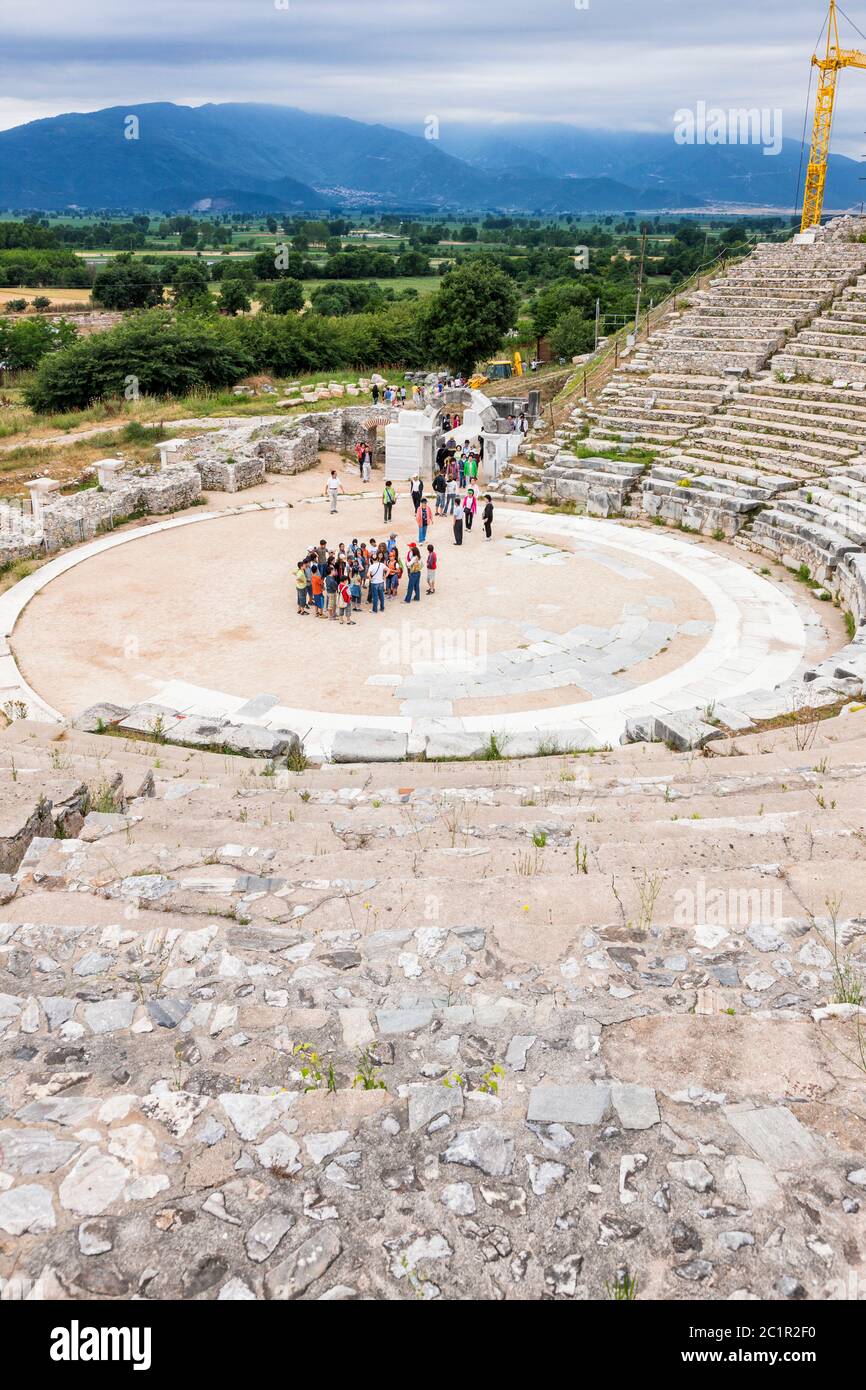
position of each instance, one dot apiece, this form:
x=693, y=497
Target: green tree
x=573, y=334
x=233, y=297
x=23, y=345
x=556, y=301
x=413, y=263
x=127, y=284
x=287, y=297
x=468, y=316
x=346, y=297
x=191, y=286
x=168, y=353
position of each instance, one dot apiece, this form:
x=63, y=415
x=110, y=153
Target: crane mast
x=829, y=66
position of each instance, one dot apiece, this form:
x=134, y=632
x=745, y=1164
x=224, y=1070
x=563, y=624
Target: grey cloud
x=623, y=64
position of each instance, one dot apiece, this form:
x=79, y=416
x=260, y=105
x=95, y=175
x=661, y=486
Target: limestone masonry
x=367, y=1011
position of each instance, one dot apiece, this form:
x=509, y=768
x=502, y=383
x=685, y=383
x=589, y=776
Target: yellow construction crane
x=828, y=67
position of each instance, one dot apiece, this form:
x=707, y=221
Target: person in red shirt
x=432, y=566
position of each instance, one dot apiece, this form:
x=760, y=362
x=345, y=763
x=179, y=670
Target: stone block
x=568, y=1105
x=456, y=744
x=151, y=719
x=684, y=730
x=254, y=741
x=369, y=746
x=96, y=717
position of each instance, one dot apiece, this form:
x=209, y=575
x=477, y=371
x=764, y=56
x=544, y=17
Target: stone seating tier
x=163, y=959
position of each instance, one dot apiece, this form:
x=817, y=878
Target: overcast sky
x=617, y=64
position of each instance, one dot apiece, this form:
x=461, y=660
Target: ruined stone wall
x=68, y=521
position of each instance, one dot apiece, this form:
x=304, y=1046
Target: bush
x=43, y=268
x=572, y=335
x=347, y=297
x=166, y=356
x=23, y=345
x=287, y=297
x=127, y=284
x=176, y=354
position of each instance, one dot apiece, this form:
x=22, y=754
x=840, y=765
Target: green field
x=424, y=284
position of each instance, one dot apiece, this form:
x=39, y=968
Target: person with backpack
x=395, y=571
x=432, y=566
x=424, y=518
x=389, y=497
x=413, y=565
x=344, y=599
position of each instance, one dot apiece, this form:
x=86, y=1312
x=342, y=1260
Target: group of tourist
x=454, y=486
x=391, y=395
x=396, y=395
x=451, y=500
x=332, y=582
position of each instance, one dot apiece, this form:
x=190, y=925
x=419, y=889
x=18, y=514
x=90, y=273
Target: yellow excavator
x=829, y=66
x=499, y=370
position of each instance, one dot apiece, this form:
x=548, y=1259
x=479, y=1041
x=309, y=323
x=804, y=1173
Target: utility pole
x=640, y=278
x=597, y=319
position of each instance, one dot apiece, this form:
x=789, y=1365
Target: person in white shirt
x=377, y=575
x=333, y=488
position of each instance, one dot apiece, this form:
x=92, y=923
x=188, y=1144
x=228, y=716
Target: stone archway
x=374, y=425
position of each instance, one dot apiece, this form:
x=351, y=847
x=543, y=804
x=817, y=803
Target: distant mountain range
x=256, y=158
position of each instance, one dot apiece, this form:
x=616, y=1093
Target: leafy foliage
x=166, y=356
x=24, y=344
x=127, y=284
x=468, y=317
